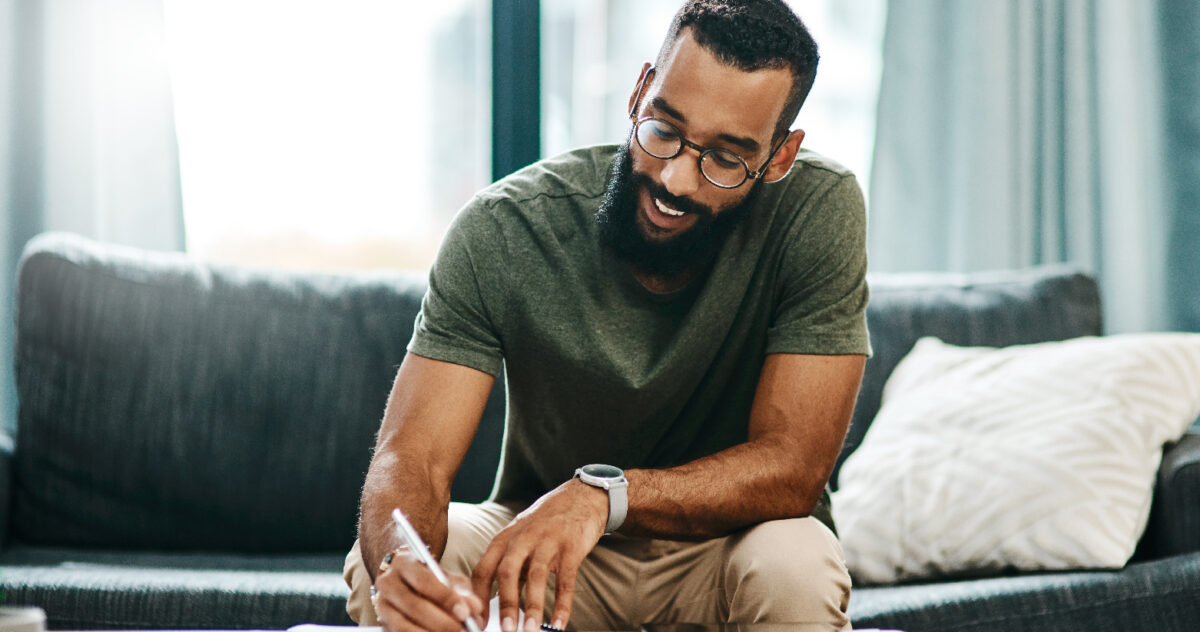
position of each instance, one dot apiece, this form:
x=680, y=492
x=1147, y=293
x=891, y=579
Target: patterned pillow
x=1031, y=457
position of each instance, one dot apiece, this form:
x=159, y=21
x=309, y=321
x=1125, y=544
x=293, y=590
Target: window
x=345, y=134
x=328, y=133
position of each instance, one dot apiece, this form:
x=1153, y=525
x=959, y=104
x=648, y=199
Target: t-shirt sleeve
x=458, y=321
x=821, y=308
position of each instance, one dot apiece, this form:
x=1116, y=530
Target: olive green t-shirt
x=601, y=370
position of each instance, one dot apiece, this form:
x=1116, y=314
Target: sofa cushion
x=81, y=589
x=994, y=309
x=1175, y=516
x=167, y=403
x=1034, y=457
x=1158, y=595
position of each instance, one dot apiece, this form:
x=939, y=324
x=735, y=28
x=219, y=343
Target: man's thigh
x=778, y=571
x=470, y=529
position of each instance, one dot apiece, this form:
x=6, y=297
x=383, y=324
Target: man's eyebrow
x=660, y=103
x=749, y=144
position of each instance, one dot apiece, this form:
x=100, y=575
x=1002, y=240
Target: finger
x=396, y=597
x=476, y=606
x=564, y=596
x=484, y=574
x=485, y=577
x=536, y=575
x=508, y=582
x=447, y=599
x=423, y=582
x=393, y=620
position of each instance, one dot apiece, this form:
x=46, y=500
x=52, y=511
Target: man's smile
x=664, y=213
x=662, y=216
x=665, y=209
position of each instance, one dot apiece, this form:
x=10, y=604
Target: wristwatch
x=612, y=480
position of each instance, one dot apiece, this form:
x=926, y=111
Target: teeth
x=667, y=210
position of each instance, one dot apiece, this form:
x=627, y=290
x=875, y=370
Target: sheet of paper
x=493, y=623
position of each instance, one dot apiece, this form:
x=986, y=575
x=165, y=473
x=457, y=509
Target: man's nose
x=681, y=175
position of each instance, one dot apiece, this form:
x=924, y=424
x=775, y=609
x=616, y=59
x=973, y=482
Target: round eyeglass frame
x=684, y=142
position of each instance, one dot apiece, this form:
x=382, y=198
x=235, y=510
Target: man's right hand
x=408, y=598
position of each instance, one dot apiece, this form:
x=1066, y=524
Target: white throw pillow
x=1029, y=457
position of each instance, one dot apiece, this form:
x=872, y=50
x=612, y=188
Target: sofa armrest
x=1175, y=519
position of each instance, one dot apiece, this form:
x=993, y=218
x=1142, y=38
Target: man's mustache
x=678, y=203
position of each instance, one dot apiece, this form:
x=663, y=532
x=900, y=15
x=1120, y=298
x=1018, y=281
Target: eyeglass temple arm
x=763, y=170
x=641, y=86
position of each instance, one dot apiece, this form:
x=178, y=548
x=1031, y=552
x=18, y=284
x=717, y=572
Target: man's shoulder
x=552, y=200
x=580, y=173
x=816, y=184
x=819, y=197
x=812, y=165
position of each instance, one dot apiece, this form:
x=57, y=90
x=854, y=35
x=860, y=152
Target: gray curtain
x=1034, y=131
x=1180, y=59
x=87, y=138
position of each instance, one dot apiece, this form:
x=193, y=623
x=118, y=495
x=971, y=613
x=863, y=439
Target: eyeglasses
x=661, y=139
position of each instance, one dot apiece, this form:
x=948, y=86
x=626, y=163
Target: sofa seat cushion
x=83, y=589
x=1159, y=595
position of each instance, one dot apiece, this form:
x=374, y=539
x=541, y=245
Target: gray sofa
x=192, y=439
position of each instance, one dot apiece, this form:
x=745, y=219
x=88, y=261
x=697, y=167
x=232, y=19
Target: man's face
x=663, y=215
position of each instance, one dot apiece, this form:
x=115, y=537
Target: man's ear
x=781, y=164
x=637, y=88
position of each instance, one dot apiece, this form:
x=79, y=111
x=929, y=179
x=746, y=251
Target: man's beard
x=688, y=251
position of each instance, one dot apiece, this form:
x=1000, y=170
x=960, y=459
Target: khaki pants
x=783, y=571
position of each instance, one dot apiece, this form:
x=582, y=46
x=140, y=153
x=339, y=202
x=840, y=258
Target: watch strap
x=618, y=506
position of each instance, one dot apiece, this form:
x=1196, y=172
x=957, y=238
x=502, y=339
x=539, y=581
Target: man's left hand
x=553, y=535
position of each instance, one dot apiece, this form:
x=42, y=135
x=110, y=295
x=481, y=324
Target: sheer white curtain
x=1024, y=132
x=87, y=139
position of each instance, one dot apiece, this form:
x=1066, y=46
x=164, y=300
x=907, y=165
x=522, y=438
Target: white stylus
x=418, y=548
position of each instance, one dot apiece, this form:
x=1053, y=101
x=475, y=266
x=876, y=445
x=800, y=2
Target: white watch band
x=618, y=505
x=612, y=480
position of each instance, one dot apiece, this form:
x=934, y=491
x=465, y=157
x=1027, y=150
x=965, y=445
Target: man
x=687, y=308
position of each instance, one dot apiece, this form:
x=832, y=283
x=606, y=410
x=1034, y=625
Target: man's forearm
x=713, y=496
x=409, y=471
x=389, y=485
x=799, y=418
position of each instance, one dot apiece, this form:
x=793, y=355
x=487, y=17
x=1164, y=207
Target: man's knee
x=786, y=571
x=468, y=534
x=358, y=604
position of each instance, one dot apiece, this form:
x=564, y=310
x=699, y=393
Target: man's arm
x=801, y=411
x=432, y=415
x=802, y=408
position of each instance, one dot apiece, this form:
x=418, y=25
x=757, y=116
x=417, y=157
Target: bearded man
x=681, y=324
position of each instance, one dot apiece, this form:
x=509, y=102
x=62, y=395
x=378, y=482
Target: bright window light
x=328, y=133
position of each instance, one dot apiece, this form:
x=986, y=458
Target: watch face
x=602, y=471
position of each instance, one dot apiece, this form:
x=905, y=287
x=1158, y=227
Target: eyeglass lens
x=663, y=140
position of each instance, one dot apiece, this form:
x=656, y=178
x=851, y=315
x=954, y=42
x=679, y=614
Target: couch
x=192, y=439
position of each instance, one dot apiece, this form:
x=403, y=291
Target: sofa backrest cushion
x=993, y=309
x=170, y=404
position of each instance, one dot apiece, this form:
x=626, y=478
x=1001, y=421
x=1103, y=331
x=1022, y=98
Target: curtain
x=87, y=140
x=1037, y=131
x=1180, y=57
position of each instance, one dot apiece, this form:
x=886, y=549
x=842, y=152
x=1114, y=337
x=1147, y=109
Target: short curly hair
x=752, y=35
